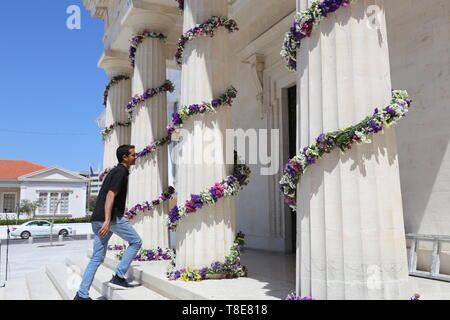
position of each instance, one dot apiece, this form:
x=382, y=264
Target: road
x=14, y=241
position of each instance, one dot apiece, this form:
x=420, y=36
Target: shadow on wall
x=418, y=35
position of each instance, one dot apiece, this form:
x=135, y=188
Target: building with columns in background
x=354, y=209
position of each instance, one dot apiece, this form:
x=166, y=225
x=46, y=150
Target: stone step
x=152, y=274
x=67, y=282
x=40, y=287
x=15, y=290
x=102, y=278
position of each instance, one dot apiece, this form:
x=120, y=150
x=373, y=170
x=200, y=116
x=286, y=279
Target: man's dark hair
x=123, y=150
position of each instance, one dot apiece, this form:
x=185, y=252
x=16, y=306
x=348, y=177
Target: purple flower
x=215, y=103
x=173, y=214
x=375, y=127
x=194, y=108
x=390, y=111
x=176, y=119
x=197, y=201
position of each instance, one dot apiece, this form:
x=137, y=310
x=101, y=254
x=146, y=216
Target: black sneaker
x=120, y=283
x=77, y=297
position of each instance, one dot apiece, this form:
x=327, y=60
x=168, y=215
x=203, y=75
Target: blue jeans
x=122, y=228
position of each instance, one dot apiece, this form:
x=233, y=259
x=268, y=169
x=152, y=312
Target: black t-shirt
x=116, y=180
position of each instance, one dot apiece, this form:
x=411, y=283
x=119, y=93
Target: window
x=52, y=201
x=33, y=223
x=64, y=205
x=43, y=224
x=9, y=202
x=44, y=198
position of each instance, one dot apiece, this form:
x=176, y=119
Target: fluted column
x=149, y=177
x=116, y=64
x=207, y=235
x=351, y=242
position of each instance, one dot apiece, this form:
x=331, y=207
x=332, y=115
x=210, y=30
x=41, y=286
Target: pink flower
x=219, y=190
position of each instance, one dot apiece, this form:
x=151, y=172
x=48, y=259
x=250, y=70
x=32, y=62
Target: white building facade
x=355, y=209
x=61, y=192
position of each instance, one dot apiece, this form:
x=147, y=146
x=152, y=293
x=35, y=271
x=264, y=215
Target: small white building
x=20, y=180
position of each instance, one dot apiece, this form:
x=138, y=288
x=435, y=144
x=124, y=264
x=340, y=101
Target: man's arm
x=108, y=212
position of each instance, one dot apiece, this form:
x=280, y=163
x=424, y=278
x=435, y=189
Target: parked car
x=39, y=228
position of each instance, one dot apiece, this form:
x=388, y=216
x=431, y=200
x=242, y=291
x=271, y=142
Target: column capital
x=142, y=19
x=115, y=63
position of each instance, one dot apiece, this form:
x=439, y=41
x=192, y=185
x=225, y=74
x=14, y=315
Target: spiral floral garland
x=305, y=22
x=130, y=214
x=150, y=255
x=343, y=138
x=148, y=94
x=205, y=29
x=105, y=132
x=231, y=268
x=230, y=186
x=112, y=82
x=184, y=113
x=138, y=39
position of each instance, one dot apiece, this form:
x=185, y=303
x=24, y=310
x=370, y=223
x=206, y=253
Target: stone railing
x=428, y=252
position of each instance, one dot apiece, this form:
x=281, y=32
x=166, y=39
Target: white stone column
x=149, y=177
x=351, y=242
x=116, y=64
x=207, y=235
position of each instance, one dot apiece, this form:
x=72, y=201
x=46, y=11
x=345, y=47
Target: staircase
x=61, y=282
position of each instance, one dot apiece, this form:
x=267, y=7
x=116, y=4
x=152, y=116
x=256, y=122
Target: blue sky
x=50, y=87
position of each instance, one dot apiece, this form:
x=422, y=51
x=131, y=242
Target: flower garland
x=416, y=296
x=130, y=214
x=149, y=255
x=230, y=269
x=205, y=29
x=112, y=82
x=293, y=296
x=180, y=4
x=186, y=112
x=117, y=247
x=305, y=22
x=148, y=94
x=138, y=39
x=105, y=132
x=343, y=138
x=230, y=186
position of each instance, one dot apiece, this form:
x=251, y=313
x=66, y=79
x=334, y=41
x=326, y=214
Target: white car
x=39, y=228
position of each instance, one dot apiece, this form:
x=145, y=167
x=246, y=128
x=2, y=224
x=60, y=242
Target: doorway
x=292, y=137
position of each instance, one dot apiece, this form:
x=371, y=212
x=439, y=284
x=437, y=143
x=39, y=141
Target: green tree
x=92, y=201
x=29, y=207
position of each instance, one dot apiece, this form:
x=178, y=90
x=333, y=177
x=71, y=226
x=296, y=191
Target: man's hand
x=104, y=230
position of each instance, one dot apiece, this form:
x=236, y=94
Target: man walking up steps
x=107, y=219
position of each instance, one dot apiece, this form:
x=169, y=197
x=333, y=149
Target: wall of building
x=419, y=44
x=4, y=190
x=77, y=195
x=260, y=211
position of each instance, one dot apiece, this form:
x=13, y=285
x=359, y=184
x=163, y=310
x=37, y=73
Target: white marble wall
x=419, y=45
